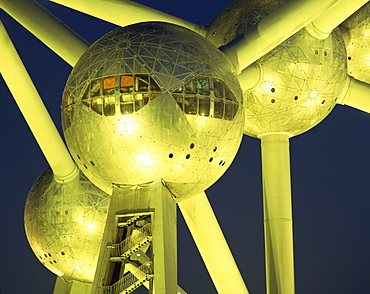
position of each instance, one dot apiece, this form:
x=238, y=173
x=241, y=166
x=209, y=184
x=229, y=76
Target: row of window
x=126, y=94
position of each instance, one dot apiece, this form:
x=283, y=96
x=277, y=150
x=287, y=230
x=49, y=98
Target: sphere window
x=198, y=97
x=218, y=88
x=123, y=94
x=218, y=108
x=191, y=104
x=202, y=85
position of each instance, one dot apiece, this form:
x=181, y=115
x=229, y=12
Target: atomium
x=153, y=101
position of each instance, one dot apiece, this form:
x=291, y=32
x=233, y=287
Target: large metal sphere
x=153, y=101
x=65, y=224
x=358, y=43
x=237, y=17
x=301, y=79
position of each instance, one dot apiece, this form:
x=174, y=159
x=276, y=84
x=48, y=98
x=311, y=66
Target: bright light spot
x=138, y=254
x=313, y=94
x=90, y=227
x=366, y=33
x=267, y=86
x=143, y=160
x=126, y=126
x=77, y=267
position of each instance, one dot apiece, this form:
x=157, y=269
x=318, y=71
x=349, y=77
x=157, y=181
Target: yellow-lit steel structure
x=153, y=114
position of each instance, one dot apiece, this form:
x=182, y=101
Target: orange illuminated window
x=109, y=83
x=127, y=81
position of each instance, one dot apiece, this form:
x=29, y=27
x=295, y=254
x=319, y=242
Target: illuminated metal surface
x=301, y=81
x=237, y=17
x=153, y=101
x=358, y=43
x=65, y=224
x=104, y=96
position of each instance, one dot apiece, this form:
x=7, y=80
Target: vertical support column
x=277, y=207
x=212, y=245
x=164, y=231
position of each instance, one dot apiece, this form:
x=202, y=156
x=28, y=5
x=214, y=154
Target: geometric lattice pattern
x=301, y=81
x=162, y=139
x=358, y=28
x=65, y=224
x=237, y=17
x=302, y=78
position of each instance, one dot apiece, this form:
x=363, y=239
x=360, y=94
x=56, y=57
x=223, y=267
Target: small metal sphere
x=64, y=225
x=153, y=101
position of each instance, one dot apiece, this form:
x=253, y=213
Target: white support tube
x=277, y=208
x=47, y=28
x=34, y=111
x=212, y=245
x=126, y=12
x=274, y=29
x=322, y=26
x=356, y=95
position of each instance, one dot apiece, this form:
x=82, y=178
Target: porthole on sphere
x=187, y=156
x=295, y=97
x=349, y=57
x=54, y=261
x=272, y=100
x=192, y=145
x=49, y=254
x=223, y=163
x=211, y=159
x=215, y=149
x=78, y=156
x=45, y=255
x=272, y=90
x=323, y=101
x=92, y=163
x=325, y=53
x=220, y=163
x=62, y=253
x=316, y=52
x=66, y=212
x=170, y=155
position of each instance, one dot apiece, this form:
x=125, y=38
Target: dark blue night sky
x=330, y=183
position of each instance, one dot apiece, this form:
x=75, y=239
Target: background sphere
x=357, y=35
x=153, y=101
x=65, y=224
x=301, y=79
